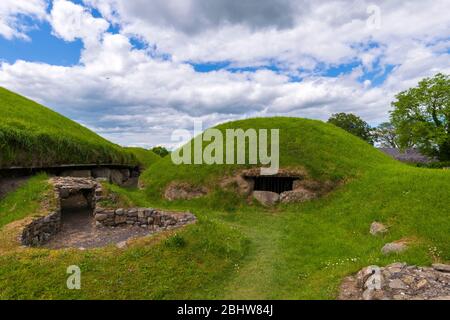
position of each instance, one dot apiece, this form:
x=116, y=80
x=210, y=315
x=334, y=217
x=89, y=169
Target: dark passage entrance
x=77, y=211
x=274, y=184
x=78, y=229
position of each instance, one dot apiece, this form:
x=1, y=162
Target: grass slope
x=145, y=157
x=33, y=135
x=325, y=151
x=25, y=201
x=299, y=251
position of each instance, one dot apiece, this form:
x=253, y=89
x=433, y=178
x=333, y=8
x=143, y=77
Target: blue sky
x=43, y=47
x=119, y=67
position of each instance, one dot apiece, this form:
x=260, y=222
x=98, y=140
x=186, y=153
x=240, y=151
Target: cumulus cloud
x=11, y=24
x=196, y=16
x=138, y=96
x=71, y=21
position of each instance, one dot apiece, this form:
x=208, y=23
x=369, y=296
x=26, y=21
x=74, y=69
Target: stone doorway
x=77, y=214
x=273, y=184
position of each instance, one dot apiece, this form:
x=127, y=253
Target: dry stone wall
x=41, y=229
x=153, y=219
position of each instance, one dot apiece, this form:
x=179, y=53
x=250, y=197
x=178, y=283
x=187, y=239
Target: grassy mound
x=296, y=251
x=325, y=151
x=33, y=136
x=145, y=157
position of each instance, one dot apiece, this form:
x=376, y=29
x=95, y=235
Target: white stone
x=266, y=198
x=377, y=228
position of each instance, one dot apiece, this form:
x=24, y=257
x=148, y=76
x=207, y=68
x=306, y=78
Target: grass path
x=253, y=277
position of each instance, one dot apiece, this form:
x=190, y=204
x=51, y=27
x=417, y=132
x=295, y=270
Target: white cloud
x=71, y=21
x=323, y=30
x=11, y=26
x=135, y=97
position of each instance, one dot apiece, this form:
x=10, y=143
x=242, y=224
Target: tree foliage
x=353, y=124
x=160, y=151
x=421, y=115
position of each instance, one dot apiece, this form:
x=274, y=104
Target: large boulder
x=297, y=195
x=77, y=173
x=441, y=267
x=104, y=173
x=117, y=177
x=241, y=184
x=266, y=198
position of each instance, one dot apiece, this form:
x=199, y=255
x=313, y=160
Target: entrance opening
x=273, y=184
x=77, y=211
x=78, y=226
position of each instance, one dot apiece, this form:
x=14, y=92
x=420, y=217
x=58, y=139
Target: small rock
x=441, y=267
x=395, y=267
x=408, y=279
x=394, y=247
x=141, y=213
x=120, y=219
x=266, y=198
x=397, y=284
x=422, y=283
x=121, y=245
x=377, y=228
x=101, y=216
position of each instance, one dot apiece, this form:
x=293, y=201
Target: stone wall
x=398, y=281
x=144, y=217
x=41, y=229
x=121, y=177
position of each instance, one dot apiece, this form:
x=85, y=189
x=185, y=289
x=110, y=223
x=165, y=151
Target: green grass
x=33, y=136
x=25, y=201
x=145, y=271
x=244, y=251
x=145, y=157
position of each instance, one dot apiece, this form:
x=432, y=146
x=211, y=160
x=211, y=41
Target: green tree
x=421, y=115
x=160, y=151
x=353, y=124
